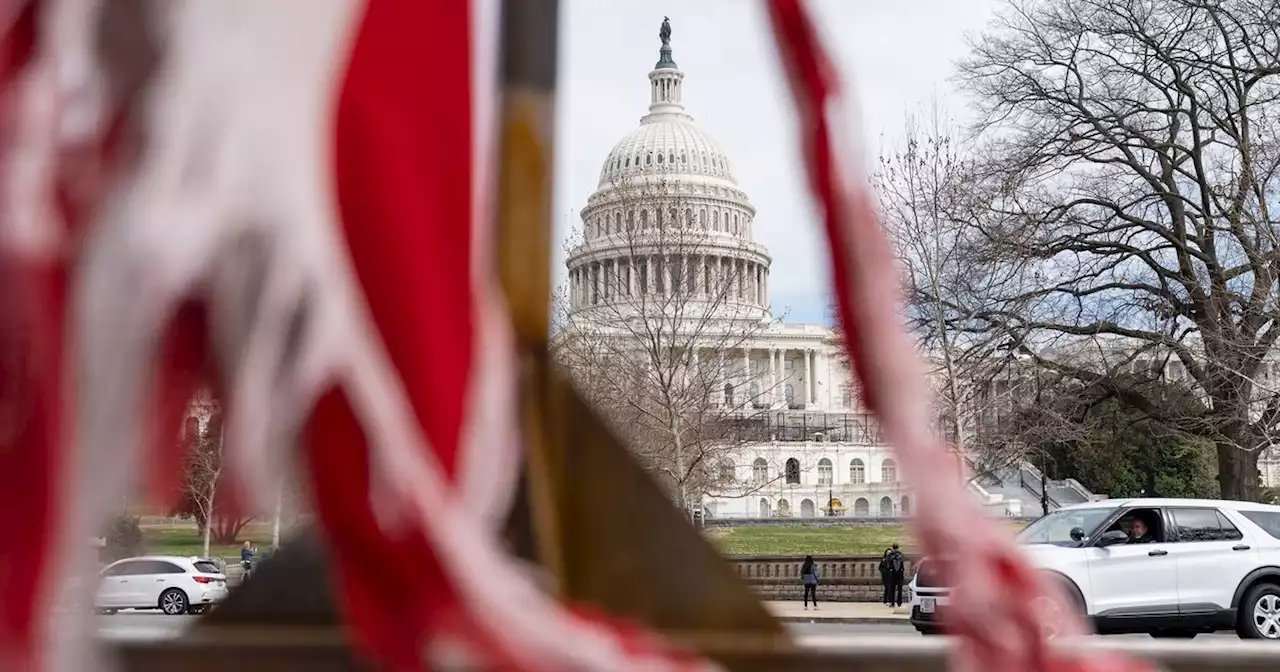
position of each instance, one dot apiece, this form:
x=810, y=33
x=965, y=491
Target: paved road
x=825, y=631
x=142, y=625
x=154, y=625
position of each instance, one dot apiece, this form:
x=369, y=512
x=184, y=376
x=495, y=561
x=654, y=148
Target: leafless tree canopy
x=1129, y=168
x=926, y=187
x=658, y=340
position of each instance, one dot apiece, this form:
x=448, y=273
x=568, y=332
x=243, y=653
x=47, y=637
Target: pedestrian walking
x=884, y=577
x=897, y=570
x=809, y=576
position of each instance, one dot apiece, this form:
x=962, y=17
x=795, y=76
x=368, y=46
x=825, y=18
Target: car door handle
x=1240, y=547
x=1155, y=553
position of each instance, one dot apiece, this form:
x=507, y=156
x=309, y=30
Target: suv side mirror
x=1113, y=537
x=1077, y=534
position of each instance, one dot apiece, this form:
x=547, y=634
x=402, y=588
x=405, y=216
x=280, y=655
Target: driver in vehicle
x=1139, y=533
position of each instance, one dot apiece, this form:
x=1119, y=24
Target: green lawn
x=801, y=540
x=186, y=540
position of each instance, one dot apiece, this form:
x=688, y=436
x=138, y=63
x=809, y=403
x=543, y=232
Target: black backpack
x=896, y=564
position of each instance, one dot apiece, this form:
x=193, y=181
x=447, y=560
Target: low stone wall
x=842, y=578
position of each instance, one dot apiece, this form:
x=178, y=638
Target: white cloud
x=900, y=55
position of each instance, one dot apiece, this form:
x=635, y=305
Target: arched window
x=760, y=471
x=631, y=220
x=659, y=157
x=886, y=507
x=702, y=219
x=861, y=507
x=688, y=218
x=784, y=508
x=825, y=472
x=617, y=222
x=755, y=396
x=628, y=164
x=806, y=508
x=728, y=394
x=857, y=471
x=644, y=219
x=906, y=505
x=793, y=471
x=648, y=159
x=789, y=393
x=889, y=471
x=764, y=507
x=726, y=471
x=715, y=220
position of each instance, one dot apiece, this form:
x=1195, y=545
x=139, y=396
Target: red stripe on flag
x=403, y=177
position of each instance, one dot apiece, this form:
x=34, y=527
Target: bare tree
x=203, y=469
x=926, y=200
x=1131, y=161
x=657, y=332
x=201, y=498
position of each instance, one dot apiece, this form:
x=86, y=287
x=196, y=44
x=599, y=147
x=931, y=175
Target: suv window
x=1269, y=521
x=121, y=569
x=206, y=567
x=162, y=567
x=1203, y=525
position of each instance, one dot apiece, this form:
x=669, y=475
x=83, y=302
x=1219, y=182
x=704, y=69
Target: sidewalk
x=862, y=613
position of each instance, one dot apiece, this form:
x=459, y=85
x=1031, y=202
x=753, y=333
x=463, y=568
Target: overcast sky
x=900, y=56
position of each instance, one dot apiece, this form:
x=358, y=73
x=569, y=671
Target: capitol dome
x=668, y=220
x=673, y=144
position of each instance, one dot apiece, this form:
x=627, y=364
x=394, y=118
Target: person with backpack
x=809, y=577
x=896, y=567
x=884, y=576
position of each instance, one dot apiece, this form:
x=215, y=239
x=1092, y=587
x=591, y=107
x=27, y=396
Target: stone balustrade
x=843, y=578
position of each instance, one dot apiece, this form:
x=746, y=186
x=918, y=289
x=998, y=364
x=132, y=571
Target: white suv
x=171, y=584
x=1203, y=565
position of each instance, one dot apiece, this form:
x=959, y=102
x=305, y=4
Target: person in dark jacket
x=884, y=576
x=809, y=577
x=896, y=570
x=246, y=558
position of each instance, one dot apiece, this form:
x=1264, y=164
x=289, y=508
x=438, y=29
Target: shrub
x=124, y=537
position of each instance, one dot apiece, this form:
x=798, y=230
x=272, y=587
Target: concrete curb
x=846, y=620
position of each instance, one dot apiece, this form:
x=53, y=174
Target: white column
x=720, y=378
x=781, y=389
x=808, y=378
x=773, y=376
x=701, y=283
x=746, y=368
x=813, y=384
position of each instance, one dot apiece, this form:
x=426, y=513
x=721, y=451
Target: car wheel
x=173, y=602
x=1260, y=613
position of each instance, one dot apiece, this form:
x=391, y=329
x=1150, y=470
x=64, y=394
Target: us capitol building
x=668, y=218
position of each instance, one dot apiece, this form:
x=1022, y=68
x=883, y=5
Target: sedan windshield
x=1056, y=527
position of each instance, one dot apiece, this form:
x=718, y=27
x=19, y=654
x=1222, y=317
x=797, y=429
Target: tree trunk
x=208, y=519
x=1237, y=472
x=681, y=494
x=275, y=525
